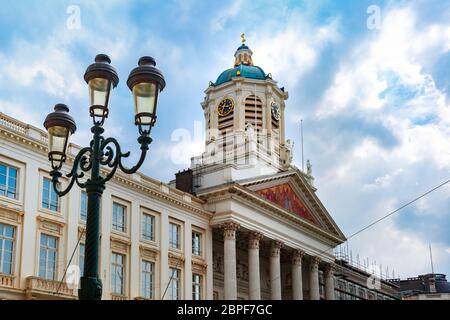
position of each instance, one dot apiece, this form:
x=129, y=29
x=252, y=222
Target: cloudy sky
x=369, y=79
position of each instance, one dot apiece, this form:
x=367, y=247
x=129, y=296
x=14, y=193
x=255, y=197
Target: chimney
x=184, y=181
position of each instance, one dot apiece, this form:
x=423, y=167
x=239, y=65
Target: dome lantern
x=243, y=54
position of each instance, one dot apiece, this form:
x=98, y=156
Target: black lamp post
x=145, y=82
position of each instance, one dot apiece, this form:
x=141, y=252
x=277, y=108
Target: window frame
x=47, y=249
x=81, y=261
x=197, y=284
x=144, y=215
x=80, y=217
x=4, y=238
x=200, y=244
x=179, y=236
x=125, y=217
x=152, y=275
x=8, y=167
x=114, y=265
x=178, y=282
x=50, y=191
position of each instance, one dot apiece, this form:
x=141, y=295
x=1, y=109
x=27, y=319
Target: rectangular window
x=118, y=273
x=342, y=289
x=361, y=293
x=174, y=284
x=83, y=206
x=196, y=287
x=196, y=243
x=49, y=196
x=81, y=259
x=147, y=279
x=148, y=227
x=8, y=181
x=352, y=291
x=119, y=217
x=48, y=257
x=6, y=248
x=174, y=236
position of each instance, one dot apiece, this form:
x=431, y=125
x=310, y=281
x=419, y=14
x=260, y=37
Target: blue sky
x=374, y=102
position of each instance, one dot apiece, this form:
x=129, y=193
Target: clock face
x=225, y=107
x=276, y=114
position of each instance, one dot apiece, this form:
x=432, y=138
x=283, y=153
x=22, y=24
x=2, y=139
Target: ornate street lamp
x=60, y=125
x=145, y=82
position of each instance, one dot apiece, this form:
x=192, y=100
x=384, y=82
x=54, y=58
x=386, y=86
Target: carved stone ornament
x=253, y=239
x=297, y=256
x=229, y=230
x=329, y=270
x=275, y=248
x=314, y=263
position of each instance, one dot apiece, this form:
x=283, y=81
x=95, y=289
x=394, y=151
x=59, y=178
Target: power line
x=320, y=254
x=398, y=209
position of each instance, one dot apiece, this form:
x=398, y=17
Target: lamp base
x=90, y=288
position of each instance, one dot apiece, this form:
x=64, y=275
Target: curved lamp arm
x=144, y=141
x=82, y=161
x=112, y=157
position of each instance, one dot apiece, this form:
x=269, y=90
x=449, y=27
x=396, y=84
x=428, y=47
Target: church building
x=272, y=236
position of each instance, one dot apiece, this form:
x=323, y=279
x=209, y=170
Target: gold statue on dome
x=243, y=38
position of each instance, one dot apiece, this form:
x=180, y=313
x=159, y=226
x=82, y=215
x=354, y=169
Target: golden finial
x=243, y=38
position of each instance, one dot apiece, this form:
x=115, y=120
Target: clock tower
x=245, y=125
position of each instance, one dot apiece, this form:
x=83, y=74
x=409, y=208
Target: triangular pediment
x=292, y=192
x=284, y=196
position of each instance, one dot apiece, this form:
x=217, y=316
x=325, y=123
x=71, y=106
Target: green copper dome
x=241, y=70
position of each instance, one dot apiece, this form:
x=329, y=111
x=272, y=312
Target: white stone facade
x=23, y=147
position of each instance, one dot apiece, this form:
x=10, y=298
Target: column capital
x=275, y=248
x=314, y=263
x=329, y=269
x=253, y=239
x=229, y=230
x=297, y=256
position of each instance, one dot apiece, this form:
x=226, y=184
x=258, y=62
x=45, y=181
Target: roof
x=242, y=70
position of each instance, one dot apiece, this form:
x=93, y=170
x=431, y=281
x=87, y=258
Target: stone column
x=229, y=250
x=297, y=284
x=329, y=281
x=254, y=286
x=314, y=293
x=275, y=274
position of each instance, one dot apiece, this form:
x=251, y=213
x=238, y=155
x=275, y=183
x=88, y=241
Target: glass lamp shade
x=60, y=125
x=145, y=81
x=145, y=95
x=99, y=89
x=58, y=139
x=101, y=77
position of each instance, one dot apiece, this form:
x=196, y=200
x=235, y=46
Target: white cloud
x=21, y=112
x=51, y=69
x=229, y=11
x=384, y=80
x=401, y=250
x=294, y=49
